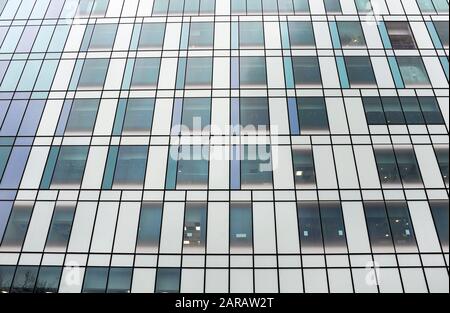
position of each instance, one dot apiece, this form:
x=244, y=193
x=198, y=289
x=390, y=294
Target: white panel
x=336, y=116
x=143, y=280
x=35, y=167
x=95, y=164
x=266, y=281
x=222, y=32
x=263, y=228
x=367, y=167
x=145, y=8
x=107, y=111
x=275, y=74
x=389, y=280
x=356, y=116
x=395, y=7
x=435, y=72
x=241, y=281
x=329, y=73
x=105, y=224
x=444, y=106
x=51, y=117
x=372, y=35
x=345, y=166
x=62, y=80
x=192, y=280
x=322, y=34
x=283, y=173
x=421, y=35
x=82, y=227
x=168, y=74
x=38, y=227
x=348, y=7
x=413, y=280
x=216, y=280
x=71, y=280
x=340, y=281
x=287, y=227
x=316, y=7
x=364, y=280
x=382, y=72
x=123, y=37
x=437, y=279
x=130, y=9
x=290, y=280
x=221, y=73
x=220, y=116
x=218, y=227
x=355, y=227
x=411, y=7
x=172, y=38
x=379, y=7
x=223, y=7
x=75, y=38
x=219, y=167
x=172, y=227
x=156, y=167
x=279, y=121
x=324, y=167
x=127, y=226
x=315, y=280
x=115, y=74
x=429, y=168
x=272, y=38
x=162, y=117
x=114, y=8
x=423, y=224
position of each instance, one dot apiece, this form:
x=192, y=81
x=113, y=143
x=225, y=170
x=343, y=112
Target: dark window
x=413, y=71
x=251, y=35
x=387, y=167
x=400, y=35
x=306, y=71
x=401, y=226
x=430, y=110
x=411, y=109
x=393, y=110
x=60, y=227
x=69, y=168
x=305, y=176
x=351, y=34
x=332, y=6
x=83, y=115
x=138, y=117
x=168, y=280
x=378, y=227
x=254, y=113
x=194, y=228
x=193, y=167
x=17, y=225
x=149, y=227
x=333, y=227
x=241, y=227
x=256, y=167
x=442, y=31
x=201, y=35
x=95, y=280
x=301, y=34
x=359, y=71
x=24, y=279
x=312, y=115
x=48, y=279
x=439, y=209
x=252, y=71
x=131, y=165
x=442, y=158
x=6, y=278
x=310, y=227
x=152, y=36
x=196, y=114
x=408, y=167
x=119, y=280
x=374, y=111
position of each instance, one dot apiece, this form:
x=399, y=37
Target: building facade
x=224, y=146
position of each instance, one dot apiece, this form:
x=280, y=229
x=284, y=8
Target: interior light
x=299, y=173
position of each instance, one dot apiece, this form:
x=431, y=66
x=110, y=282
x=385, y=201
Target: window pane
x=400, y=35
x=401, y=227
x=301, y=34
x=48, y=279
x=194, y=236
x=241, y=228
x=374, y=111
x=160, y=6
x=17, y=225
x=168, y=280
x=411, y=109
x=363, y=6
x=83, y=115
x=6, y=277
x=426, y=6
x=256, y=167
x=152, y=36
x=305, y=176
x=252, y=71
x=312, y=115
x=310, y=227
x=430, y=110
x=95, y=280
x=198, y=72
x=94, y=73
x=131, y=165
x=442, y=31
x=69, y=168
x=149, y=227
x=387, y=167
x=119, y=280
x=139, y=117
x=254, y=113
x=193, y=167
x=301, y=6
x=442, y=157
x=145, y=74
x=378, y=227
x=333, y=227
x=413, y=71
x=196, y=114
x=176, y=7
x=306, y=71
x=25, y=279
x=103, y=37
x=439, y=209
x=393, y=110
x=407, y=165
x=60, y=227
x=332, y=6
x=251, y=35
x=359, y=71
x=201, y=35
x=351, y=35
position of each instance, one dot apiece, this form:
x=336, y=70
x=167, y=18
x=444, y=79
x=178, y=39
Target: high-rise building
x=224, y=146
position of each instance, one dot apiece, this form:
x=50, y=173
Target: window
x=285, y=6
x=306, y=71
x=17, y=225
x=119, y=280
x=333, y=229
x=152, y=36
x=270, y=6
x=442, y=158
x=413, y=71
x=401, y=226
x=254, y=113
x=60, y=227
x=411, y=109
x=48, y=279
x=69, y=168
x=24, y=279
x=160, y=6
x=332, y=6
x=301, y=34
x=252, y=71
x=201, y=35
x=256, y=167
x=95, y=280
x=193, y=167
x=138, y=118
x=131, y=166
x=426, y=6
x=103, y=37
x=241, y=227
x=6, y=278
x=145, y=73
x=363, y=6
x=304, y=173
x=387, y=167
x=374, y=111
x=442, y=31
x=199, y=72
x=301, y=6
x=4, y=155
x=430, y=110
x=168, y=280
x=251, y=35
x=439, y=210
x=93, y=74
x=407, y=165
x=400, y=35
x=312, y=115
x=359, y=71
x=194, y=235
x=351, y=35
x=92, y=7
x=393, y=110
x=83, y=115
x=310, y=227
x=196, y=114
x=378, y=227
x=149, y=227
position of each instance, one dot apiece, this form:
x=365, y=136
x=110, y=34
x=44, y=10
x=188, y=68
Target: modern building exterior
x=238, y=146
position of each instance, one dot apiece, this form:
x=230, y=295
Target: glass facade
x=261, y=146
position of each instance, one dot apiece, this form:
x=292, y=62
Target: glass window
x=332, y=6
x=24, y=279
x=351, y=35
x=374, y=111
x=176, y=7
x=238, y=6
x=305, y=175
x=400, y=35
x=199, y=72
x=401, y=226
x=270, y=6
x=241, y=227
x=441, y=6
x=306, y=71
x=60, y=227
x=160, y=7
x=442, y=158
x=83, y=115
x=393, y=110
x=413, y=71
x=152, y=36
x=207, y=6
x=310, y=227
x=359, y=71
x=196, y=114
x=145, y=73
x=17, y=225
x=119, y=280
x=312, y=115
x=333, y=229
x=254, y=113
x=285, y=6
x=194, y=235
x=301, y=6
x=378, y=227
x=256, y=167
x=252, y=71
x=439, y=210
x=442, y=31
x=387, y=167
x=254, y=7
x=6, y=277
x=168, y=280
x=4, y=156
x=131, y=166
x=408, y=167
x=411, y=109
x=149, y=227
x=201, y=35
x=430, y=110
x=301, y=34
x=48, y=279
x=363, y=6
x=191, y=6
x=95, y=280
x=193, y=167
x=103, y=37
x=69, y=168
x=138, y=117
x=426, y=6
x=93, y=74
x=251, y=35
